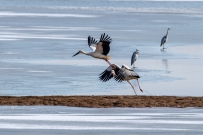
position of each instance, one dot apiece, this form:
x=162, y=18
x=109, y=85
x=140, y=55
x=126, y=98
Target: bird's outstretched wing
x=119, y=76
x=163, y=40
x=126, y=67
x=103, y=45
x=131, y=73
x=107, y=74
x=124, y=73
x=92, y=43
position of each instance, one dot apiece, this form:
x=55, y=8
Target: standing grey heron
x=164, y=39
x=100, y=49
x=120, y=74
x=134, y=58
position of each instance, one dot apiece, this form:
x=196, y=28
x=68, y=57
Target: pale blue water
x=106, y=121
x=38, y=39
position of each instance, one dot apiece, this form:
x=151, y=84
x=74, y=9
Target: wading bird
x=99, y=50
x=120, y=74
x=164, y=39
x=134, y=58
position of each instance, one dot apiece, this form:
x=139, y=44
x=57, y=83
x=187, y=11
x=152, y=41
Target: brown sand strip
x=103, y=101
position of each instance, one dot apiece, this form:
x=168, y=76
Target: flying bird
x=134, y=58
x=99, y=49
x=164, y=39
x=120, y=74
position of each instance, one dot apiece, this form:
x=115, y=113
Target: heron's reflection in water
x=165, y=63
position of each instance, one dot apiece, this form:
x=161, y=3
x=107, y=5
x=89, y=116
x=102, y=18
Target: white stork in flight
x=100, y=49
x=120, y=74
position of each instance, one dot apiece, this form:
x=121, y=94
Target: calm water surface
x=79, y=121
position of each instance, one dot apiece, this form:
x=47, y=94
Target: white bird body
x=100, y=56
x=96, y=55
x=120, y=74
x=99, y=50
x=164, y=39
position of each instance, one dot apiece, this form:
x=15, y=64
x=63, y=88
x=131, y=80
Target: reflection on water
x=163, y=50
x=165, y=63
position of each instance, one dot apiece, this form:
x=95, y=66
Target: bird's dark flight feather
x=107, y=74
x=106, y=40
x=119, y=77
x=91, y=41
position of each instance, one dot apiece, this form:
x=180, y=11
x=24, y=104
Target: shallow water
x=79, y=121
x=38, y=40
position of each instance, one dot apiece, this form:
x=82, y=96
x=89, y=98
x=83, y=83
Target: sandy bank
x=104, y=101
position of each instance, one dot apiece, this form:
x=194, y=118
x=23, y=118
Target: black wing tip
x=91, y=40
x=105, y=38
x=105, y=76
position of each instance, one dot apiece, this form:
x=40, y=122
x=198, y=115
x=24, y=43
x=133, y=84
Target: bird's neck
x=85, y=53
x=167, y=33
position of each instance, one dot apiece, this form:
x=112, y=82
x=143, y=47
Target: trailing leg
x=132, y=87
